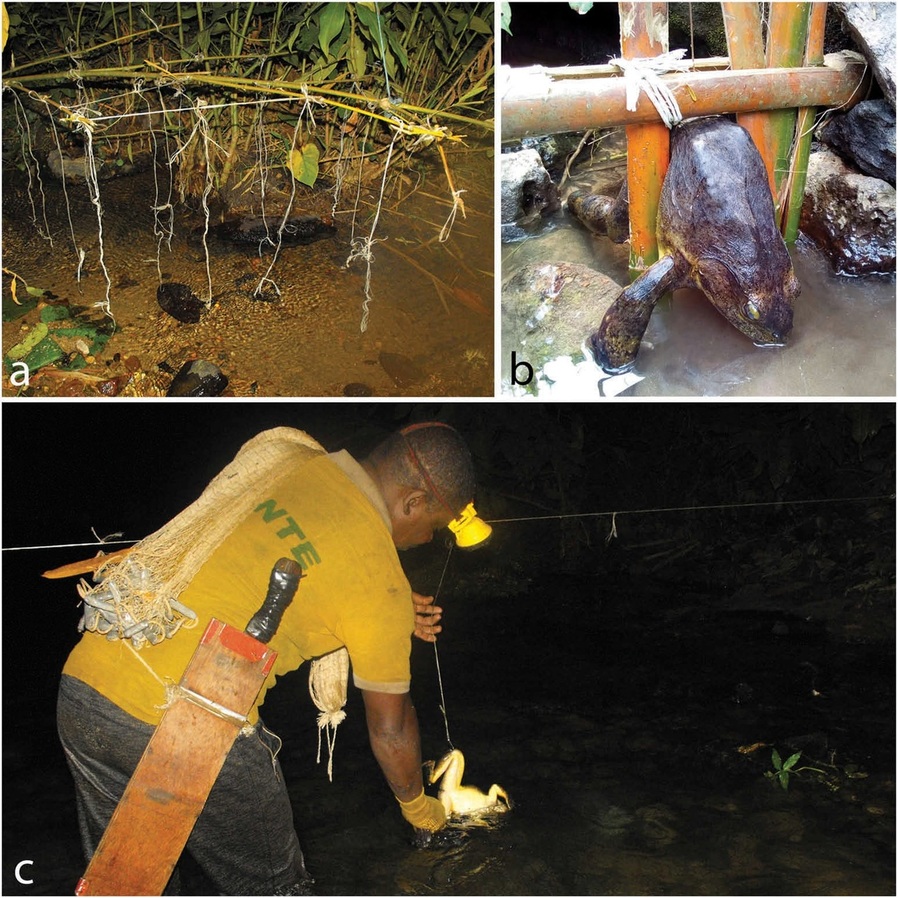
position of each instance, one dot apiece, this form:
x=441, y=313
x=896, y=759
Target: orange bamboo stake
x=745, y=43
x=803, y=130
x=787, y=34
x=644, y=33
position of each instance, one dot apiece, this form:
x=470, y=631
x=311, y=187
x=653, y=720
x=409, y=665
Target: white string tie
x=642, y=74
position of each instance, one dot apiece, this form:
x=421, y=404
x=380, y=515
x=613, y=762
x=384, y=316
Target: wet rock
x=850, y=216
x=256, y=230
x=357, y=389
x=527, y=190
x=401, y=368
x=553, y=149
x=198, y=378
x=74, y=169
x=179, y=301
x=865, y=136
x=873, y=27
x=548, y=309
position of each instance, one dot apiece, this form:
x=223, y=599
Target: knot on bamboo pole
x=642, y=74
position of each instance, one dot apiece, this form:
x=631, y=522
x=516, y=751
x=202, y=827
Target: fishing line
x=544, y=517
x=436, y=653
x=593, y=514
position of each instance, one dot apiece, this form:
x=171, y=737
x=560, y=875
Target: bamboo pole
x=787, y=35
x=550, y=101
x=644, y=33
x=804, y=129
x=745, y=43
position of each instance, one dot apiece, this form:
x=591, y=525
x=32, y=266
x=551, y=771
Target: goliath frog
x=716, y=231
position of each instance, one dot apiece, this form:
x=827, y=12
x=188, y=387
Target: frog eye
x=752, y=311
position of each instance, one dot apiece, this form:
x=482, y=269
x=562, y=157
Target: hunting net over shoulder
x=137, y=599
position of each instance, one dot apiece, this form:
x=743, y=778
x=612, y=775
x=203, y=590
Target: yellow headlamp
x=470, y=531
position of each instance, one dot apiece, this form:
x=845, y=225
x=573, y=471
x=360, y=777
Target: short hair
x=433, y=457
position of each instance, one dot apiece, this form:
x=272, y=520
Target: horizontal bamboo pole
x=550, y=101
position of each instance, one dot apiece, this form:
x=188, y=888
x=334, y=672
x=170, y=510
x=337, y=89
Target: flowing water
x=628, y=776
x=430, y=326
x=842, y=343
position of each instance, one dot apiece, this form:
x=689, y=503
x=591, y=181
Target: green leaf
x=330, y=24
x=791, y=761
x=20, y=350
x=505, y=16
x=368, y=17
x=397, y=48
x=358, y=55
x=480, y=25
x=777, y=761
x=303, y=164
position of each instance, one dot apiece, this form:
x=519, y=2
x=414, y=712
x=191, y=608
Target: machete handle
x=282, y=585
x=88, y=566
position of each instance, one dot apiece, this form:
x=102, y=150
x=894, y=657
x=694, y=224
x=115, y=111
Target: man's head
x=426, y=477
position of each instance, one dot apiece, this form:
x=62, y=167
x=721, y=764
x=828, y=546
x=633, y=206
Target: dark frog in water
x=716, y=231
x=255, y=231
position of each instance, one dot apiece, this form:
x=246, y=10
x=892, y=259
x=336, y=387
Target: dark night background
x=672, y=588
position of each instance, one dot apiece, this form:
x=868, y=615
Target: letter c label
x=19, y=877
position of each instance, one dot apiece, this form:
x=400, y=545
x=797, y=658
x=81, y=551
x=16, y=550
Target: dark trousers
x=244, y=840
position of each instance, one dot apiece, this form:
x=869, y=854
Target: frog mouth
x=769, y=344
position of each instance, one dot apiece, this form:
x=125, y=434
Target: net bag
x=328, y=678
x=137, y=598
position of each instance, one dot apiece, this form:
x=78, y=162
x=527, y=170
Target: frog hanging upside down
x=462, y=800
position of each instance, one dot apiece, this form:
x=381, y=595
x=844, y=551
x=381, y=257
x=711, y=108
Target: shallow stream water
x=430, y=315
x=635, y=749
x=842, y=343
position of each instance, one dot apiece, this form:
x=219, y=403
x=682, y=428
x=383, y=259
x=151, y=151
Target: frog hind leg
x=615, y=344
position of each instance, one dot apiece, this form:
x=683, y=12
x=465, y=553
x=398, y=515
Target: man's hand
x=427, y=617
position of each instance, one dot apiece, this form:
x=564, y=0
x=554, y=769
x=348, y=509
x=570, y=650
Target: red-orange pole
x=644, y=34
x=745, y=43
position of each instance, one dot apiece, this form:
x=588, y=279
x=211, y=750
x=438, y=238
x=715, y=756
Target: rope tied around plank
x=642, y=74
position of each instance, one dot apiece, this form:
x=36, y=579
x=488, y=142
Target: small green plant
x=782, y=770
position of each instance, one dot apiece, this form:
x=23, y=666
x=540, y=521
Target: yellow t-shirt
x=354, y=593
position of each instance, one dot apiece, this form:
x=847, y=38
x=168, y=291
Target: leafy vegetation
x=257, y=81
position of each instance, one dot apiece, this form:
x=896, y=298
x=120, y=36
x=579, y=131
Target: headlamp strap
x=420, y=465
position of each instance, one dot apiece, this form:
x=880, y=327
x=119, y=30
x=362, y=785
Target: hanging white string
x=361, y=248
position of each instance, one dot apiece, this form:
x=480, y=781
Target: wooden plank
x=182, y=760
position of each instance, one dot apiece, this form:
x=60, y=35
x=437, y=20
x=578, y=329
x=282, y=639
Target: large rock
x=865, y=136
x=549, y=309
x=873, y=27
x=850, y=216
x=527, y=190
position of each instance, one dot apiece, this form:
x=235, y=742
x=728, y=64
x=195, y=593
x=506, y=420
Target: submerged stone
x=179, y=301
x=198, y=378
x=256, y=230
